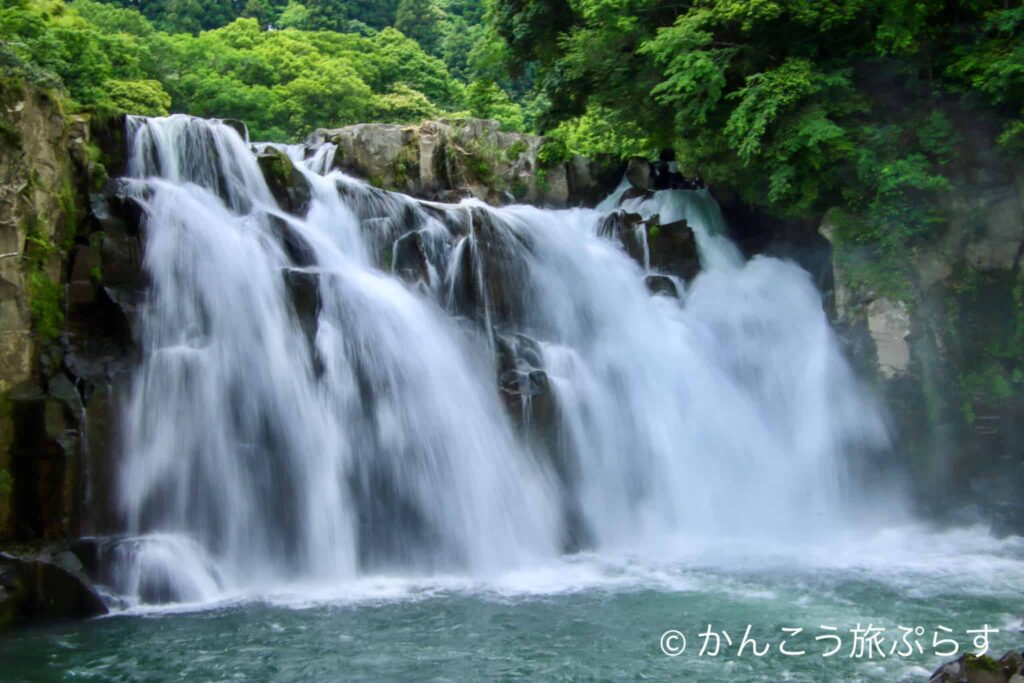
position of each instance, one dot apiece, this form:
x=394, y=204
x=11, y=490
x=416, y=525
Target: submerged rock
x=33, y=591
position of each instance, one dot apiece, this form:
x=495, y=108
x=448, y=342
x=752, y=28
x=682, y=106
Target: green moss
x=401, y=173
x=516, y=149
x=66, y=197
x=540, y=176
x=478, y=162
x=98, y=175
x=984, y=662
x=45, y=304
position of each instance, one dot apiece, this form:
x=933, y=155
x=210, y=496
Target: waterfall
x=386, y=384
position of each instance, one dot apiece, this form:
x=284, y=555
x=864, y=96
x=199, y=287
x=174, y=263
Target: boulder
x=383, y=153
x=623, y=226
x=662, y=285
x=972, y=668
x=238, y=127
x=289, y=187
x=639, y=173
x=1012, y=664
x=33, y=591
x=673, y=248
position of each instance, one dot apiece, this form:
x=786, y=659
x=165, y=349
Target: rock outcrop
x=69, y=269
x=450, y=159
x=37, y=590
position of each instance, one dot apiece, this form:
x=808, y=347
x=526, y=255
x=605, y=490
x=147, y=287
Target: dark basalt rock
x=662, y=285
x=490, y=273
x=523, y=383
x=673, y=249
x=33, y=591
x=622, y=227
x=304, y=291
x=409, y=259
x=238, y=127
x=289, y=187
x=295, y=246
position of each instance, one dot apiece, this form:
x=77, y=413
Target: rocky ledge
x=448, y=160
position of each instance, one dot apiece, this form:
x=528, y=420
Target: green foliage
x=485, y=99
x=515, y=150
x=6, y=482
x=553, y=151
x=799, y=106
x=146, y=97
x=45, y=304
x=282, y=83
x=421, y=21
x=294, y=15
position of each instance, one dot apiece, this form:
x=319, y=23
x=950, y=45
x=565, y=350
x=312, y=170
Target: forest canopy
x=801, y=106
x=283, y=68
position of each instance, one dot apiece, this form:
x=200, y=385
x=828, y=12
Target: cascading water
x=302, y=413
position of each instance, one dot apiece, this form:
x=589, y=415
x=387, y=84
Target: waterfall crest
x=386, y=384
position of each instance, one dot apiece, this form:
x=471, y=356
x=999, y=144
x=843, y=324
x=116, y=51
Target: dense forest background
x=799, y=105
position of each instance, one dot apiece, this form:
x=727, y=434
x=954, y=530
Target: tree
x=421, y=21
x=327, y=15
x=144, y=97
x=295, y=15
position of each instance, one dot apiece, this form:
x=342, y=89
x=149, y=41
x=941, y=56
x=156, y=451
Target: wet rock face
x=34, y=591
x=663, y=285
x=943, y=335
x=290, y=188
x=409, y=259
x=670, y=248
x=673, y=248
